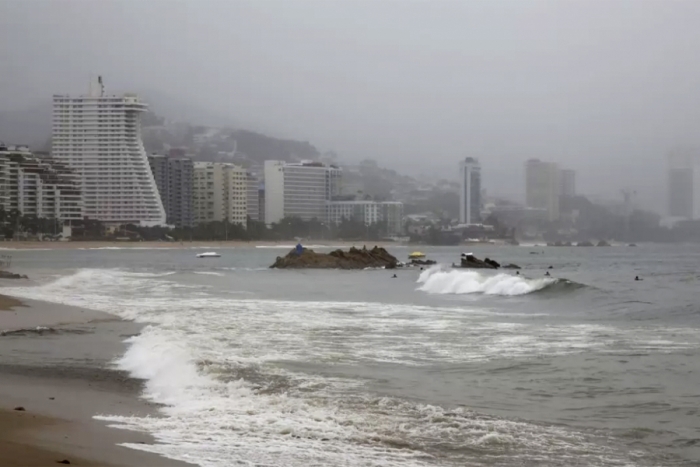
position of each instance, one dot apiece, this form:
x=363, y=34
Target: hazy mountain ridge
x=32, y=127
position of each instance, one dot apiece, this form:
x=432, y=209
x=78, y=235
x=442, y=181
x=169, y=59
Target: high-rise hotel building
x=99, y=137
x=470, y=191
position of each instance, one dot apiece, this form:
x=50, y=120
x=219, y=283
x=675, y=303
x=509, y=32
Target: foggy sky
x=604, y=87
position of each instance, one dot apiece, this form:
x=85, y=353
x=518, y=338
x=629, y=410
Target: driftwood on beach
x=355, y=258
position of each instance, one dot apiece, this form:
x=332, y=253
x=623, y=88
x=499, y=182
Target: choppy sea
x=437, y=367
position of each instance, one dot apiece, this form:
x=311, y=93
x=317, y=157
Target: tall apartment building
x=220, y=193
x=388, y=213
x=99, y=137
x=253, y=183
x=470, y=191
x=567, y=182
x=174, y=177
x=38, y=186
x=299, y=189
x=684, y=183
x=542, y=187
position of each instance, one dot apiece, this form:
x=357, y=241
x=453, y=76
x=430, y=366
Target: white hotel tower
x=99, y=136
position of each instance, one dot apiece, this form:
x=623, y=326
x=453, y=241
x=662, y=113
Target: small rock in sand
x=64, y=461
x=20, y=409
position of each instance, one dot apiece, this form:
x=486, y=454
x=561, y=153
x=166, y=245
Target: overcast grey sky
x=606, y=87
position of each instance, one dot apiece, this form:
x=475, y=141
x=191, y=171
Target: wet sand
x=56, y=363
x=8, y=303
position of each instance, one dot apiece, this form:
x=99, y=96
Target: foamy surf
x=214, y=361
x=439, y=281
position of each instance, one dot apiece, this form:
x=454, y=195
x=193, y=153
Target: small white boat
x=208, y=254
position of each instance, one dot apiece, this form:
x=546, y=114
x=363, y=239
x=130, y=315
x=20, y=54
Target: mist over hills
x=32, y=126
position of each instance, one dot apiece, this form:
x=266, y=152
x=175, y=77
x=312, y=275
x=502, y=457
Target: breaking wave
x=439, y=281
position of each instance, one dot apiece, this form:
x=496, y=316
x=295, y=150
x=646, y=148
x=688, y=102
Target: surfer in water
x=637, y=278
x=547, y=273
x=394, y=276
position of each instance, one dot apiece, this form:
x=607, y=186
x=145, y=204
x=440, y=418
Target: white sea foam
x=214, y=360
x=209, y=273
x=439, y=281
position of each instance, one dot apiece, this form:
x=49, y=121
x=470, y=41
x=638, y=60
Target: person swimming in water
x=546, y=273
x=394, y=276
x=517, y=273
x=637, y=278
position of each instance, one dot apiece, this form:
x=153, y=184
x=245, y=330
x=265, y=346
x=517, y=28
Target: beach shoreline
x=79, y=245
x=57, y=365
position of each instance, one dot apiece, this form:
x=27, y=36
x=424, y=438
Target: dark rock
x=20, y=409
x=422, y=262
x=603, y=243
x=64, y=461
x=584, y=244
x=52, y=398
x=493, y=263
x=511, y=266
x=632, y=244
x=11, y=275
x=354, y=258
x=472, y=262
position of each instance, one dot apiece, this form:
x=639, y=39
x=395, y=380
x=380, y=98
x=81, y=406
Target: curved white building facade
x=99, y=137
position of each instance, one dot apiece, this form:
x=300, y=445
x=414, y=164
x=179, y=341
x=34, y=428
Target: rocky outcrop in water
x=472, y=262
x=354, y=258
x=11, y=275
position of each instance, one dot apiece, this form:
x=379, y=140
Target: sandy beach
x=35, y=245
x=56, y=366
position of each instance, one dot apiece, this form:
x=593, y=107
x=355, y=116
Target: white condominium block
x=99, y=137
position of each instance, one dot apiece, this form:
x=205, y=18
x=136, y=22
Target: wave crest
x=439, y=281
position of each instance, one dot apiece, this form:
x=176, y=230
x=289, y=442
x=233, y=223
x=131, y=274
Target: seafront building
x=387, y=213
x=254, y=197
x=542, y=187
x=300, y=189
x=99, y=137
x=220, y=193
x=470, y=191
x=174, y=177
x=684, y=183
x=38, y=186
x=567, y=182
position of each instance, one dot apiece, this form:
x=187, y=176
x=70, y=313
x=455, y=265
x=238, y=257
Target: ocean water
x=438, y=367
